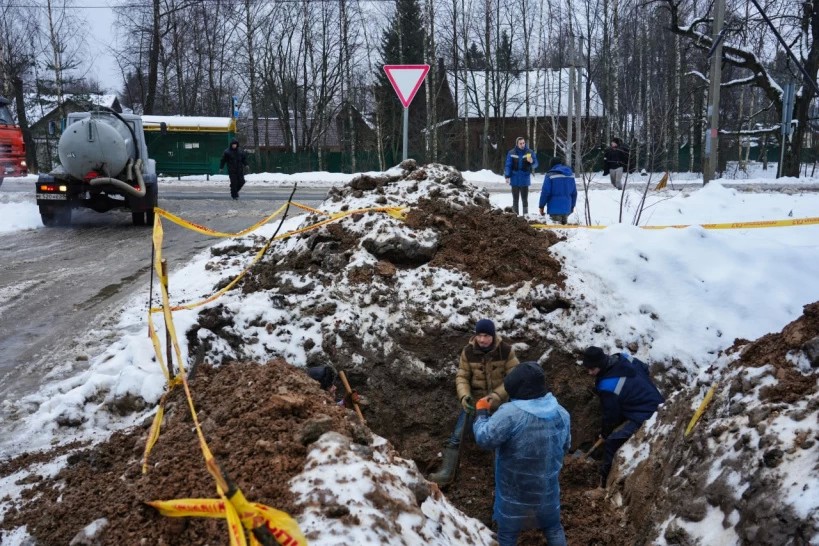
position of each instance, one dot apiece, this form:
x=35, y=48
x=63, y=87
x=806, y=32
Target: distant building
x=188, y=144
x=508, y=109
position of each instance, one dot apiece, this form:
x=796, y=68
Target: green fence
x=180, y=153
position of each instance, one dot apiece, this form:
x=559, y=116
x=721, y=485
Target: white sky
x=101, y=39
x=683, y=294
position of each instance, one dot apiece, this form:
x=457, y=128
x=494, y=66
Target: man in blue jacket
x=530, y=435
x=520, y=164
x=559, y=192
x=627, y=395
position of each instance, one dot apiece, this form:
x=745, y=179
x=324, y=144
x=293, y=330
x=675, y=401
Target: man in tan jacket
x=484, y=362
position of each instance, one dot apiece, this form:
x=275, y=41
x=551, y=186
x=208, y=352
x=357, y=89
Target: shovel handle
x=347, y=388
x=597, y=444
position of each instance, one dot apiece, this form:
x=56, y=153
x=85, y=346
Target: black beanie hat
x=485, y=326
x=594, y=357
x=526, y=381
x=557, y=160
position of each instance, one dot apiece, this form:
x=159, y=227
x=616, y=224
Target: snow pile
x=370, y=496
x=18, y=212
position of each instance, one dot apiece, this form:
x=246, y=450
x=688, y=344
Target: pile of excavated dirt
x=390, y=302
x=259, y=421
x=750, y=463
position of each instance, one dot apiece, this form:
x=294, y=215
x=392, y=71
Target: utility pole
x=578, y=153
x=712, y=136
x=571, y=101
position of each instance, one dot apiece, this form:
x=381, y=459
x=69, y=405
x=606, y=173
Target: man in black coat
x=236, y=160
x=615, y=160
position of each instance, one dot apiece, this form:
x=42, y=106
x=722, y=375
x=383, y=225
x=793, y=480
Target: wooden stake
x=168, y=347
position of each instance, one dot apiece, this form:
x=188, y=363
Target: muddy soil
x=257, y=416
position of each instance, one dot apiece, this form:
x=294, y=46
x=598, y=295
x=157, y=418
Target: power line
x=148, y=4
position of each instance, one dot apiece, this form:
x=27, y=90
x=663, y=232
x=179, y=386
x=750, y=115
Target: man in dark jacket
x=483, y=364
x=236, y=160
x=530, y=436
x=628, y=397
x=520, y=164
x=615, y=160
x=559, y=191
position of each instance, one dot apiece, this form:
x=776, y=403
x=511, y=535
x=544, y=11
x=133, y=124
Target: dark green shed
x=191, y=144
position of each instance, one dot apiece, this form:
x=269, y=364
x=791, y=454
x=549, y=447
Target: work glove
x=468, y=403
x=483, y=406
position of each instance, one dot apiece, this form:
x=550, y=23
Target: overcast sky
x=101, y=39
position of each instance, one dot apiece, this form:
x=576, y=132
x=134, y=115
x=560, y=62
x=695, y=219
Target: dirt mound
x=258, y=419
x=749, y=465
x=392, y=303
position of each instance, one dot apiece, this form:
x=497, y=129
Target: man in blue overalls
x=520, y=164
x=628, y=397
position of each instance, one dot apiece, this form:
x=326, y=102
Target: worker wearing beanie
x=483, y=364
x=627, y=395
x=530, y=436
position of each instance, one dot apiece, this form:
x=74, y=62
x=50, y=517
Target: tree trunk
x=153, y=61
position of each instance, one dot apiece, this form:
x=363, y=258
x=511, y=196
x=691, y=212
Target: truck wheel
x=138, y=218
x=64, y=216
x=53, y=217
x=48, y=216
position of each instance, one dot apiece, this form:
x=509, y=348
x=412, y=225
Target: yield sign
x=406, y=79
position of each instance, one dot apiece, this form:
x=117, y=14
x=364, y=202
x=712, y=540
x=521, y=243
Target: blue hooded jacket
x=517, y=169
x=559, y=190
x=530, y=438
x=626, y=392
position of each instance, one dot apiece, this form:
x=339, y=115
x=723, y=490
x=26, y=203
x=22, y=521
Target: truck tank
x=102, y=145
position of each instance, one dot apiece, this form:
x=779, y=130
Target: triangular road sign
x=406, y=79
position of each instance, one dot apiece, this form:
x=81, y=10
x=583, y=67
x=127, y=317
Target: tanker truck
x=104, y=165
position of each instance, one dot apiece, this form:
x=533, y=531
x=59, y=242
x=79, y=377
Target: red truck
x=12, y=147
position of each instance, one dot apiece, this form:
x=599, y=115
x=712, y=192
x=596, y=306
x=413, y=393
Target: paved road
x=60, y=285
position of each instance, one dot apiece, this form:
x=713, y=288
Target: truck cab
x=12, y=146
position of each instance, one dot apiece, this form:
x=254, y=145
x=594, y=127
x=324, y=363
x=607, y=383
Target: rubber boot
x=446, y=474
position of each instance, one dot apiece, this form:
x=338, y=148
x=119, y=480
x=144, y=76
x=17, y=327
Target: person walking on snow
x=483, y=364
x=627, y=395
x=520, y=164
x=559, y=192
x=236, y=160
x=615, y=160
x=530, y=435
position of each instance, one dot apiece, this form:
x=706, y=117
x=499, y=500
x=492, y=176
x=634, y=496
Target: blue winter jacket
x=517, y=169
x=559, y=190
x=530, y=438
x=626, y=392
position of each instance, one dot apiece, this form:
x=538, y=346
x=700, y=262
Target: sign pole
x=406, y=131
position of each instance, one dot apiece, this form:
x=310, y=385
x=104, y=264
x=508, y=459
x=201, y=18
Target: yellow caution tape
x=213, y=233
x=700, y=410
x=728, y=225
x=279, y=523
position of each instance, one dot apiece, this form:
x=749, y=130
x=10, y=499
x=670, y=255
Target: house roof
x=548, y=92
x=271, y=134
x=190, y=124
x=39, y=107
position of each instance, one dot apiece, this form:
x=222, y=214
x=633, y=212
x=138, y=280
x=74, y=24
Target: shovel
x=579, y=454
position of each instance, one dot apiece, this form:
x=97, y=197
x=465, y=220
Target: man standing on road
x=520, y=164
x=236, y=160
x=559, y=192
x=627, y=395
x=484, y=362
x=615, y=160
x=530, y=436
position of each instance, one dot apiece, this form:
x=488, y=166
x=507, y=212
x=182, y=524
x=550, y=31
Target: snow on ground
x=678, y=295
